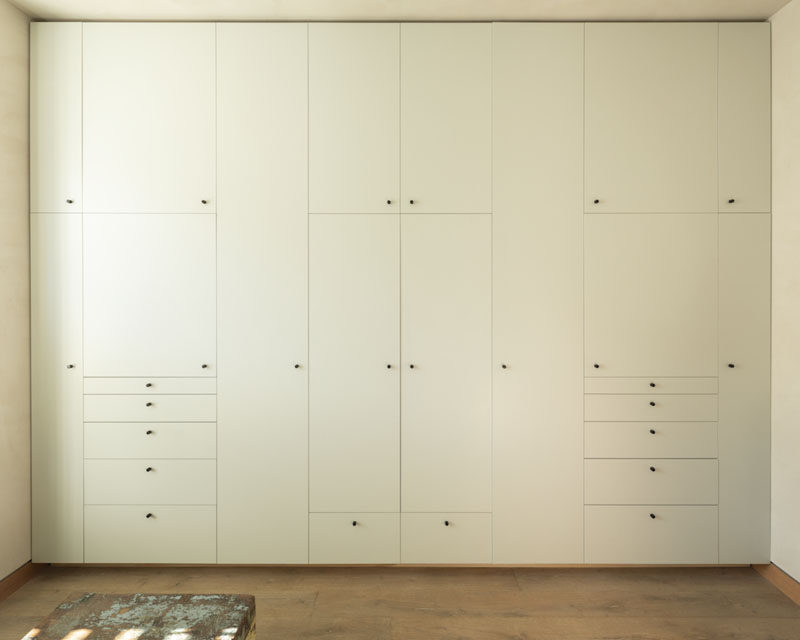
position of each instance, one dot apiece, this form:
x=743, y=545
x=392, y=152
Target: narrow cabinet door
x=148, y=114
x=446, y=292
x=651, y=117
x=354, y=117
x=537, y=332
x=745, y=137
x=56, y=388
x=55, y=128
x=744, y=388
x=446, y=118
x=354, y=419
x=262, y=384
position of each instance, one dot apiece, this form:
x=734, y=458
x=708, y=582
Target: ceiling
x=549, y=10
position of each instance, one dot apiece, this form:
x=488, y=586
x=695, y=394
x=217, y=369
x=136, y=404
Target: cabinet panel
x=165, y=408
x=354, y=350
x=150, y=440
x=651, y=117
x=354, y=538
x=170, y=535
x=149, y=295
x=651, y=295
x=745, y=136
x=354, y=117
x=446, y=338
x=652, y=386
x=446, y=136
x=696, y=408
x=446, y=538
x=148, y=117
x=149, y=386
x=629, y=535
x=55, y=125
x=651, y=440
x=537, y=329
x=56, y=393
x=263, y=293
x=744, y=391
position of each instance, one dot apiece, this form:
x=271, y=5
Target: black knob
x=149, y=432
x=204, y=201
x=149, y=515
x=596, y=366
x=652, y=404
x=410, y=202
x=505, y=366
x=148, y=384
x=653, y=516
x=446, y=523
x=388, y=202
x=297, y=366
x=148, y=404
x=652, y=468
x=149, y=469
x=70, y=366
x=732, y=200
x=411, y=366
x=204, y=366
x=731, y=365
x=70, y=201
x=388, y=366
x=653, y=431
x=597, y=202
x=355, y=523
x=653, y=384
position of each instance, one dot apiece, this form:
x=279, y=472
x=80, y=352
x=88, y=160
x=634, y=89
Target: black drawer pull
x=149, y=469
x=149, y=515
x=653, y=516
x=149, y=432
x=355, y=523
x=446, y=523
x=652, y=404
x=653, y=431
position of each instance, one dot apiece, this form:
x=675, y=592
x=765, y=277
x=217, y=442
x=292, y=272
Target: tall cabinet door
x=446, y=118
x=744, y=388
x=537, y=328
x=149, y=295
x=148, y=116
x=56, y=388
x=55, y=128
x=354, y=420
x=745, y=139
x=651, y=295
x=446, y=302
x=262, y=384
x=651, y=117
x=354, y=117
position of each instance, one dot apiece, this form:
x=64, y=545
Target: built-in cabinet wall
x=326, y=293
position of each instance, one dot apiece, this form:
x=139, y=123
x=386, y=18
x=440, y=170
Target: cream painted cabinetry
x=262, y=229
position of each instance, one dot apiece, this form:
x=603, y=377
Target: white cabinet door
x=354, y=350
x=262, y=386
x=149, y=295
x=744, y=389
x=537, y=333
x=354, y=117
x=651, y=117
x=446, y=118
x=148, y=117
x=56, y=388
x=55, y=127
x=651, y=295
x=745, y=139
x=446, y=293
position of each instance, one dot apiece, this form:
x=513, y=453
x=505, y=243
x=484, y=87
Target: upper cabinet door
x=56, y=117
x=446, y=118
x=651, y=118
x=651, y=295
x=744, y=117
x=149, y=122
x=354, y=118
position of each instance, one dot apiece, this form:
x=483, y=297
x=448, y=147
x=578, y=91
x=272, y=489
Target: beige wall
x=786, y=289
x=15, y=485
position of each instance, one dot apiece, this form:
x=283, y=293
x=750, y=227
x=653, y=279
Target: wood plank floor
x=376, y=603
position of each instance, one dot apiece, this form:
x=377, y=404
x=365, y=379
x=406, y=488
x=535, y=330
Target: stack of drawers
x=150, y=470
x=651, y=470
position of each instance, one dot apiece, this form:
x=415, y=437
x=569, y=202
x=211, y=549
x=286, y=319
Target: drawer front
x=171, y=535
x=150, y=440
x=629, y=535
x=465, y=539
x=142, y=408
x=652, y=481
x=639, y=408
x=333, y=539
x=650, y=386
x=172, y=482
x=650, y=440
x=149, y=386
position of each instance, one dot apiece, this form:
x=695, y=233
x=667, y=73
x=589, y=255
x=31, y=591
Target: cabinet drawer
x=150, y=440
x=142, y=408
x=637, y=408
x=446, y=538
x=149, y=386
x=655, y=481
x=629, y=535
x=650, y=386
x=650, y=440
x=171, y=535
x=167, y=482
x=375, y=538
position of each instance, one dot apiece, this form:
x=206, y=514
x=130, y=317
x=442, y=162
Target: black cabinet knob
x=355, y=523
x=597, y=202
x=69, y=201
x=652, y=385
x=652, y=469
x=732, y=200
x=446, y=523
x=411, y=366
x=70, y=366
x=149, y=432
x=204, y=366
x=653, y=431
x=388, y=202
x=505, y=366
x=653, y=516
x=149, y=515
x=296, y=366
x=410, y=202
x=388, y=366
x=149, y=469
x=148, y=404
x=148, y=384
x=652, y=404
x=204, y=201
x=596, y=366
x=731, y=365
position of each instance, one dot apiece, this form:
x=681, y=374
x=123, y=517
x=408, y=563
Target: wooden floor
x=580, y=604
